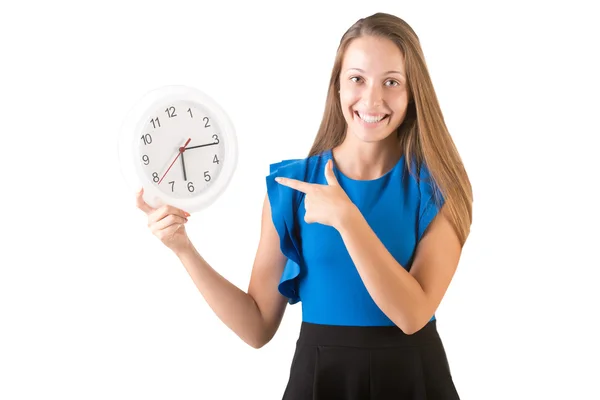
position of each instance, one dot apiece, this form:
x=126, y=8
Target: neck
x=366, y=161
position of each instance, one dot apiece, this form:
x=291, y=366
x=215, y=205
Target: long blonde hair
x=423, y=134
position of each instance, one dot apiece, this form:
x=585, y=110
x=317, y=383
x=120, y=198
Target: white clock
x=180, y=146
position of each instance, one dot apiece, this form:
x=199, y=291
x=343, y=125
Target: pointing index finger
x=301, y=186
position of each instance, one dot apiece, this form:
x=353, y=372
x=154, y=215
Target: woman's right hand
x=167, y=223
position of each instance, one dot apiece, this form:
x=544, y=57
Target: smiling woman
x=373, y=92
x=366, y=232
x=373, y=223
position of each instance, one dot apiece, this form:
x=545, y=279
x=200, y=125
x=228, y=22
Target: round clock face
x=180, y=146
x=181, y=149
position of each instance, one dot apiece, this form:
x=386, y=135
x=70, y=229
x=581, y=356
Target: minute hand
x=201, y=145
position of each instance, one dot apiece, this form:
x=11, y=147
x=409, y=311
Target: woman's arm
x=407, y=298
x=254, y=316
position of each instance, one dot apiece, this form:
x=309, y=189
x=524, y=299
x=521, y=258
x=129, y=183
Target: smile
x=371, y=118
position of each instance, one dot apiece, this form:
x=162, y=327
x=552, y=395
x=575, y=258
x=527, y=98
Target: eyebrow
x=387, y=72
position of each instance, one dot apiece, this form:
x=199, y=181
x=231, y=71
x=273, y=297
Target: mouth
x=371, y=119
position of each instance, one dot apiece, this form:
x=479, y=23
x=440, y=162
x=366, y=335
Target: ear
x=330, y=175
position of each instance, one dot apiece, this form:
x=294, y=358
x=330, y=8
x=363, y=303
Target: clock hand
x=202, y=145
x=181, y=150
x=183, y=166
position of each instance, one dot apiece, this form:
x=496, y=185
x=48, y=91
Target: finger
x=164, y=211
x=141, y=204
x=329, y=174
x=168, y=232
x=301, y=186
x=168, y=221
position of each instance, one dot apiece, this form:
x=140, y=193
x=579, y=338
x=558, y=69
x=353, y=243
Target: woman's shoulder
x=297, y=168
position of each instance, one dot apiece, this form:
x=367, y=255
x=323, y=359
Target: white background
x=92, y=306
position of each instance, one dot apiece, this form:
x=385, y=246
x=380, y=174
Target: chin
x=368, y=137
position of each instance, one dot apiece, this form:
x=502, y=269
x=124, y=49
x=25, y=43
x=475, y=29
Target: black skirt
x=369, y=363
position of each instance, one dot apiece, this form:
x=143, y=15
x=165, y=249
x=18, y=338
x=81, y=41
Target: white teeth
x=371, y=118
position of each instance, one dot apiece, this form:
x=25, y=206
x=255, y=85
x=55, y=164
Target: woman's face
x=373, y=88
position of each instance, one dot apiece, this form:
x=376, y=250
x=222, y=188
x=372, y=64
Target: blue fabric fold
x=284, y=203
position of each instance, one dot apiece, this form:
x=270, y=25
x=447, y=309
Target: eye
x=393, y=82
x=355, y=79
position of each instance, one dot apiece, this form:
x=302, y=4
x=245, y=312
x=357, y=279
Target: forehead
x=373, y=55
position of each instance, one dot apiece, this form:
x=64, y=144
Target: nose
x=372, y=96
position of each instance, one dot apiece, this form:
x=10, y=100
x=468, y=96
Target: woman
x=366, y=232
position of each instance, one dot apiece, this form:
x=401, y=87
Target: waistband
x=365, y=336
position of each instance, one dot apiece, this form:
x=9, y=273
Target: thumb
x=141, y=203
x=329, y=174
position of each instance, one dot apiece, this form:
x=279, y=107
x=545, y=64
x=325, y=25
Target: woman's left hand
x=326, y=204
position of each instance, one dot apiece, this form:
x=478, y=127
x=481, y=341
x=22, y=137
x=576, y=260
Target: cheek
x=399, y=114
x=399, y=101
x=347, y=99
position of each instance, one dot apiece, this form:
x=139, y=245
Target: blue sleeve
x=284, y=202
x=430, y=203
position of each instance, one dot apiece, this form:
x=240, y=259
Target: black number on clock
x=155, y=122
x=172, y=184
x=146, y=159
x=206, y=119
x=190, y=187
x=206, y=176
x=216, y=138
x=147, y=138
x=190, y=111
x=171, y=112
x=215, y=160
x=155, y=177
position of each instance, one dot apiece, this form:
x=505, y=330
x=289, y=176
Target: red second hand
x=181, y=150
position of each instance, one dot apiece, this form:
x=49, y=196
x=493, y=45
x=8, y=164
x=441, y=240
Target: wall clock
x=180, y=146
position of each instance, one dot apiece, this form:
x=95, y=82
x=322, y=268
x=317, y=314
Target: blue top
x=319, y=271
